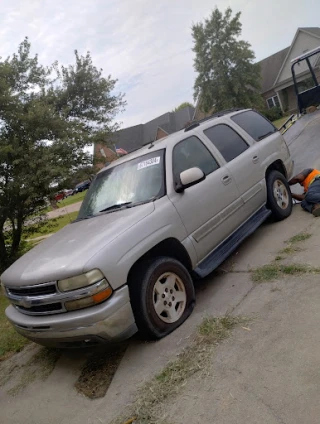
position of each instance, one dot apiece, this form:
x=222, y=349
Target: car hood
x=66, y=253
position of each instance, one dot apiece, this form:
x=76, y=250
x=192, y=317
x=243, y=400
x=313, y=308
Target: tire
x=279, y=199
x=153, y=283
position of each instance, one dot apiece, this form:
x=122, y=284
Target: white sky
x=145, y=44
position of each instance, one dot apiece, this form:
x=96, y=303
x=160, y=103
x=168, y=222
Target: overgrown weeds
x=275, y=271
x=299, y=237
x=290, y=250
x=149, y=406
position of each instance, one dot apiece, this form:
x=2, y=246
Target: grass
x=278, y=258
x=275, y=271
x=68, y=201
x=292, y=247
x=72, y=199
x=150, y=404
x=10, y=341
x=279, y=122
x=299, y=237
x=52, y=225
x=290, y=250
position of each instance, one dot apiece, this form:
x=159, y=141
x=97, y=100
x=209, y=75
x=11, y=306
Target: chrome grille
x=51, y=307
x=46, y=299
x=39, y=290
x=40, y=299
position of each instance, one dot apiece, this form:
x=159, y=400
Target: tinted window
x=227, y=141
x=192, y=153
x=254, y=124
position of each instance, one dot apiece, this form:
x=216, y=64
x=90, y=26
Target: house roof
x=270, y=67
x=313, y=30
x=132, y=138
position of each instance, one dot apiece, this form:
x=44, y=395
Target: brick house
x=132, y=138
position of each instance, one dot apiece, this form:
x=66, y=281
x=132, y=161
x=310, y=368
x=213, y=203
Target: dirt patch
x=98, y=371
x=18, y=376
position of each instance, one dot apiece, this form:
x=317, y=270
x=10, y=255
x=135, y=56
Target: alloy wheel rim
x=281, y=194
x=169, y=297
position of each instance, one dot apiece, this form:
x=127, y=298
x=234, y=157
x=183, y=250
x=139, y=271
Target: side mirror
x=190, y=177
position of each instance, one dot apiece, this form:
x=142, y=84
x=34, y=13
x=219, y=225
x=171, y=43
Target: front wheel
x=279, y=196
x=162, y=296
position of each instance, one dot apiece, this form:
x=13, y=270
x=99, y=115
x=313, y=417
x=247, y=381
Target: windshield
x=137, y=181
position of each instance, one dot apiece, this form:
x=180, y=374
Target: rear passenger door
x=243, y=162
x=269, y=140
x=208, y=208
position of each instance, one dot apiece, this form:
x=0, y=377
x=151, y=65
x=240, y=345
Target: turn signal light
x=85, y=302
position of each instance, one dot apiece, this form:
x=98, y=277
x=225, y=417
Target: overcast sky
x=145, y=44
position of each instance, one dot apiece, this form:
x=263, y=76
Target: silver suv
x=150, y=222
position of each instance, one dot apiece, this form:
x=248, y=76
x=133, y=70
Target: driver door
x=207, y=209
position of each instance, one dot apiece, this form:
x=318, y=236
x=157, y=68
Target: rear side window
x=227, y=141
x=254, y=124
x=191, y=153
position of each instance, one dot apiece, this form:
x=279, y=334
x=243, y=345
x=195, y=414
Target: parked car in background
x=152, y=220
x=68, y=192
x=82, y=186
x=59, y=196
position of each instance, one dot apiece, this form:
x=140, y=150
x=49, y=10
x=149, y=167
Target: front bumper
x=110, y=321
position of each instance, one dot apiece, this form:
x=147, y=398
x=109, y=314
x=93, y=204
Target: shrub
x=273, y=113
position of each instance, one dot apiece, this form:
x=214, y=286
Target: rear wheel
x=279, y=196
x=162, y=296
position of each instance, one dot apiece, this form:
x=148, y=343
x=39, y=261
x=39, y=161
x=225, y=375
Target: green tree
x=182, y=106
x=47, y=117
x=226, y=75
x=82, y=173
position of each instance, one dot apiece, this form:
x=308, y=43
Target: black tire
x=278, y=213
x=143, y=298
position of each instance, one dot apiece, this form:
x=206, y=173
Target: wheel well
x=277, y=166
x=170, y=247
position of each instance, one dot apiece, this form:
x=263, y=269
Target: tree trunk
x=3, y=250
x=16, y=236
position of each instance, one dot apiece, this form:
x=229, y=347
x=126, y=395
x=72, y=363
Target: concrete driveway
x=266, y=375
x=64, y=210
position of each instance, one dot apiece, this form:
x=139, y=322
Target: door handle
x=226, y=179
x=255, y=159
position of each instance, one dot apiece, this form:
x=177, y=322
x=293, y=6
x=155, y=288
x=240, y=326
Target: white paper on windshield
x=149, y=162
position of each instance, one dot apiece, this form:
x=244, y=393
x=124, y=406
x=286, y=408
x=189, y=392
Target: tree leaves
x=226, y=75
x=47, y=117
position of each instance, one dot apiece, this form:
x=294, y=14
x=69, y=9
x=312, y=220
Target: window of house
x=254, y=124
x=227, y=141
x=191, y=153
x=273, y=102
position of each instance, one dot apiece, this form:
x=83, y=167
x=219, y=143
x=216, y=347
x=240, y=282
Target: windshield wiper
x=82, y=218
x=116, y=206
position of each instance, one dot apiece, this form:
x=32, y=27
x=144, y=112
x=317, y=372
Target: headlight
x=80, y=281
x=103, y=293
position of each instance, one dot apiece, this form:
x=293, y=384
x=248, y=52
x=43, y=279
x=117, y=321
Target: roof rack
x=215, y=115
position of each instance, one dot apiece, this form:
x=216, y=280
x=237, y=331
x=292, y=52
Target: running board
x=225, y=249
